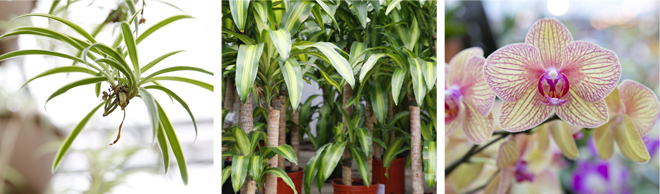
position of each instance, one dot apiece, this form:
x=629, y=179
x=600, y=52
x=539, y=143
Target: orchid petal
x=543, y=137
x=524, y=113
x=512, y=69
x=550, y=37
x=641, y=105
x=613, y=101
x=476, y=127
x=508, y=154
x=474, y=88
x=465, y=174
x=457, y=64
x=580, y=113
x=630, y=142
x=506, y=178
x=457, y=123
x=493, y=186
x=604, y=141
x=593, y=71
x=563, y=137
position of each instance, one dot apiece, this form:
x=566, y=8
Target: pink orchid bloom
x=634, y=110
x=524, y=168
x=468, y=99
x=551, y=73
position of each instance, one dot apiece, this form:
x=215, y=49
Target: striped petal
x=581, y=113
x=604, y=141
x=550, y=37
x=641, y=105
x=476, y=91
x=476, y=127
x=465, y=174
x=629, y=141
x=613, y=101
x=506, y=178
x=457, y=64
x=507, y=156
x=493, y=186
x=512, y=69
x=525, y=113
x=563, y=137
x=457, y=123
x=593, y=71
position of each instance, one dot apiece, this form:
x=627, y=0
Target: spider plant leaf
x=53, y=6
x=64, y=148
x=46, y=33
x=164, y=147
x=18, y=53
x=282, y=41
x=97, y=89
x=417, y=75
x=178, y=99
x=122, y=68
x=360, y=8
x=331, y=158
x=256, y=167
x=174, y=143
x=239, y=170
x=86, y=81
x=338, y=62
x=361, y=162
x=293, y=77
x=177, y=68
x=379, y=101
x=239, y=11
x=63, y=69
x=285, y=151
x=397, y=83
x=295, y=16
x=112, y=53
x=186, y=80
x=158, y=60
x=281, y=174
x=74, y=26
x=247, y=65
x=159, y=25
x=429, y=153
x=430, y=74
x=150, y=103
x=246, y=39
x=313, y=167
x=365, y=140
x=243, y=142
x=366, y=67
x=129, y=40
x=391, y=6
x=225, y=174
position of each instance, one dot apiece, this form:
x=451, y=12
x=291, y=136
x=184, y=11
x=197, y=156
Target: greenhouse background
x=628, y=28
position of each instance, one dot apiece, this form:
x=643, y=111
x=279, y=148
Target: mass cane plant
x=108, y=64
x=248, y=162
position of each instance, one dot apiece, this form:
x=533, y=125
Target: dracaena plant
x=246, y=162
x=126, y=78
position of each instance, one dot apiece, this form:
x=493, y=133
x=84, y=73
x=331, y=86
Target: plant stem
x=272, y=139
x=347, y=164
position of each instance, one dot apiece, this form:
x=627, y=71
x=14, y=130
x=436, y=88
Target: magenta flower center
x=522, y=172
x=452, y=100
x=553, y=86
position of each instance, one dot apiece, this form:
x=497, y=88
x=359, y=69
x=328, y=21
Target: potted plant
x=126, y=78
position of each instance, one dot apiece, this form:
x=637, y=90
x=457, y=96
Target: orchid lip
x=452, y=100
x=522, y=172
x=553, y=86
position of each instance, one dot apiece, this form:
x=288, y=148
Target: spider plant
x=126, y=78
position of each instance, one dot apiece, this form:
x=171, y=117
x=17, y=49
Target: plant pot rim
x=352, y=186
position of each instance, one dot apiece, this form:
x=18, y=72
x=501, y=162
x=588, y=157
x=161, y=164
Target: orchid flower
x=468, y=175
x=562, y=134
x=551, y=73
x=468, y=99
x=634, y=110
x=531, y=168
x=600, y=177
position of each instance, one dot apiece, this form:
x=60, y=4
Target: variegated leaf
x=417, y=75
x=247, y=65
x=293, y=77
x=397, y=83
x=239, y=11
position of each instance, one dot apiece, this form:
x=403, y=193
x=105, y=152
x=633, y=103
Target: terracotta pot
x=355, y=189
x=396, y=184
x=296, y=177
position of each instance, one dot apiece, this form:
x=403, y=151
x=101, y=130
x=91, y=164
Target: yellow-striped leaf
x=397, y=83
x=391, y=152
x=391, y=6
x=360, y=8
x=285, y=151
x=361, y=162
x=365, y=139
x=379, y=101
x=338, y=62
x=367, y=66
x=280, y=173
x=225, y=174
x=430, y=74
x=331, y=158
x=417, y=74
x=413, y=35
x=313, y=166
x=243, y=142
x=247, y=65
x=294, y=82
x=282, y=40
x=239, y=170
x=295, y=16
x=429, y=160
x=256, y=166
x=239, y=11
